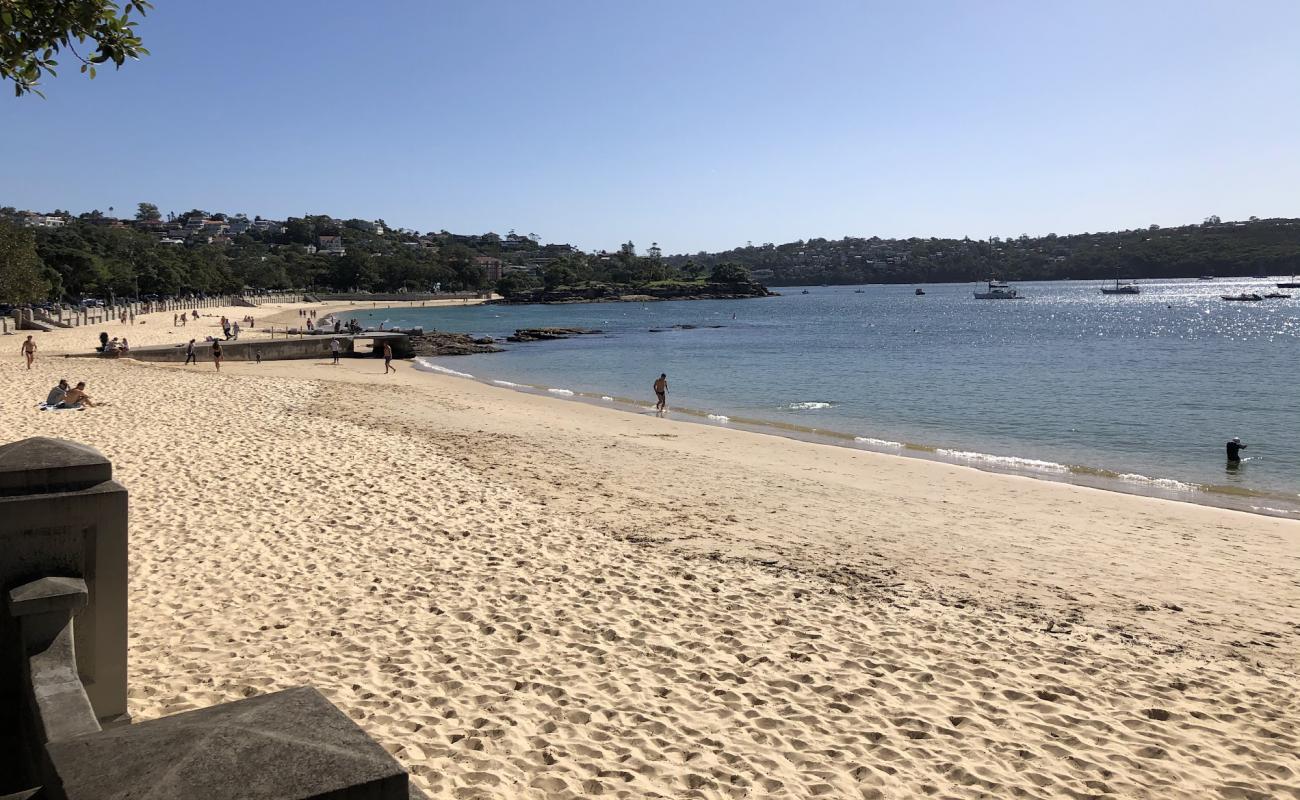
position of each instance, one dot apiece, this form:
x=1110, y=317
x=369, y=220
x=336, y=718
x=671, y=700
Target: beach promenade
x=520, y=596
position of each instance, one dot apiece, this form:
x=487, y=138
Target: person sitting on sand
x=661, y=392
x=57, y=394
x=77, y=397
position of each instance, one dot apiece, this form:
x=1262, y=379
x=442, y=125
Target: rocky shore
x=437, y=343
x=613, y=293
x=546, y=334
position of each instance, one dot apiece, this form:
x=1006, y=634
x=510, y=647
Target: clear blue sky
x=700, y=125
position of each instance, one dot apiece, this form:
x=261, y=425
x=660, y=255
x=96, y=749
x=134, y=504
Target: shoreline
x=1225, y=497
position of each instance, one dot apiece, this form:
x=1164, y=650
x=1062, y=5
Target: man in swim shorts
x=661, y=392
x=29, y=350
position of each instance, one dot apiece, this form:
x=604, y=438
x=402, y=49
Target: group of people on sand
x=183, y=317
x=65, y=396
x=231, y=329
x=191, y=355
x=113, y=347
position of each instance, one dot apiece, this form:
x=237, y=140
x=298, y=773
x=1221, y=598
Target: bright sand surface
x=522, y=596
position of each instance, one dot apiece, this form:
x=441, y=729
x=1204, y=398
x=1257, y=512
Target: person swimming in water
x=1234, y=450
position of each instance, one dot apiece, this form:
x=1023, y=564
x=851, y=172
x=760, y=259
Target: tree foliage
x=1214, y=247
x=21, y=278
x=33, y=32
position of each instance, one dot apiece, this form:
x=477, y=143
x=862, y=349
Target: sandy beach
x=522, y=596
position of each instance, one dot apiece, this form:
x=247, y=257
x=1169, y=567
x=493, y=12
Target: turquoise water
x=1130, y=392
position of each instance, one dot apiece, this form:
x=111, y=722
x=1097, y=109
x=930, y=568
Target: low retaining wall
x=291, y=349
x=72, y=317
x=409, y=297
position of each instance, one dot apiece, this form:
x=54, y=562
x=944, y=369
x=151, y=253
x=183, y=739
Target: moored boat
x=919, y=291
x=998, y=291
x=1121, y=288
x=1244, y=297
x=1277, y=296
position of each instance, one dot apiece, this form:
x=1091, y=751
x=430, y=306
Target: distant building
x=368, y=226
x=491, y=266
x=331, y=245
x=268, y=225
x=43, y=221
x=238, y=226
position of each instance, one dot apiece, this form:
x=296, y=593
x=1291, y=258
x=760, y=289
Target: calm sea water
x=1131, y=392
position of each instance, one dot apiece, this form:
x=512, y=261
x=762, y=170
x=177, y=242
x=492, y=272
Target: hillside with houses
x=61, y=256
x=1213, y=247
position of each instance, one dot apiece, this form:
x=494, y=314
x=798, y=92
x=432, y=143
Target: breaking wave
x=425, y=365
x=1006, y=462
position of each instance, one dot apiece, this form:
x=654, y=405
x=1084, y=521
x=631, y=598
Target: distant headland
x=57, y=256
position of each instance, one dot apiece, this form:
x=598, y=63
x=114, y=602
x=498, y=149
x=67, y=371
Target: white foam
x=719, y=418
x=808, y=406
x=508, y=383
x=607, y=398
x=1159, y=483
x=425, y=365
x=1011, y=462
x=565, y=392
x=878, y=442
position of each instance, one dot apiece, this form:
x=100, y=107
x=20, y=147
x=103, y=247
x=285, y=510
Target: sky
x=699, y=125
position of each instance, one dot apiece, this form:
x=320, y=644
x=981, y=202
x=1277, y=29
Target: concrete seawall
x=363, y=345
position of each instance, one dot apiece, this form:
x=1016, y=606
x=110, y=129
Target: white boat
x=1121, y=288
x=998, y=291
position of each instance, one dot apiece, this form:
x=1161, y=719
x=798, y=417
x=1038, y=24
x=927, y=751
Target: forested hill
x=1254, y=247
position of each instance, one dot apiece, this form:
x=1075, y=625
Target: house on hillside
x=331, y=245
x=271, y=225
x=31, y=220
x=491, y=266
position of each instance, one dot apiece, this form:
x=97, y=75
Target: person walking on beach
x=661, y=392
x=334, y=351
x=28, y=350
x=1234, y=450
x=190, y=358
x=388, y=358
x=216, y=353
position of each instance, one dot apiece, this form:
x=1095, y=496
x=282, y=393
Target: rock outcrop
x=435, y=343
x=545, y=334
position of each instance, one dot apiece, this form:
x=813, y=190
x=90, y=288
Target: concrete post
x=62, y=514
